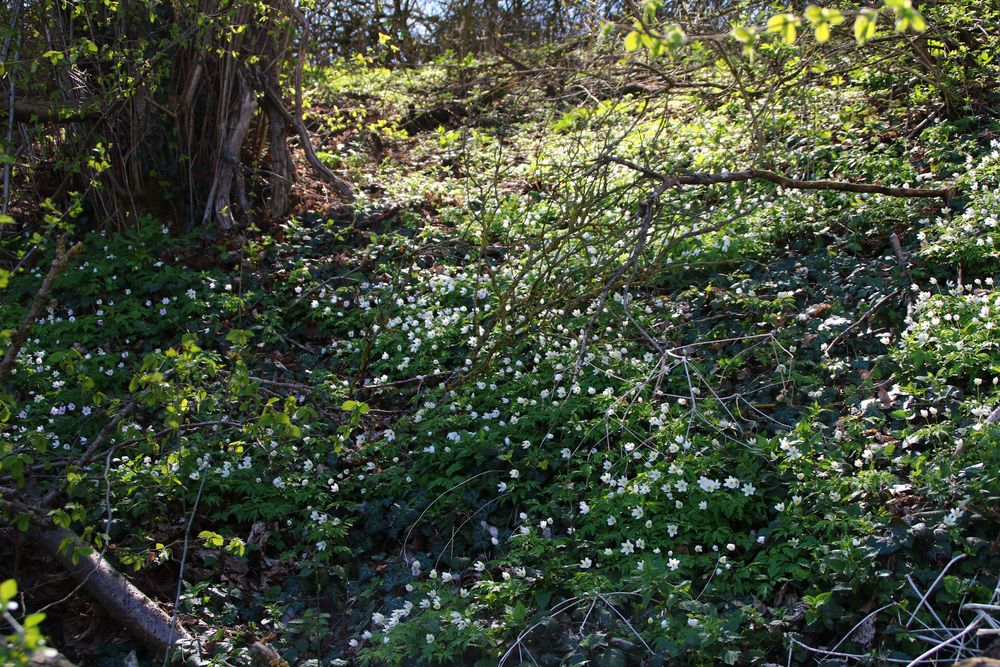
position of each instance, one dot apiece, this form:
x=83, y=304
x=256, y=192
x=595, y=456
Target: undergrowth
x=486, y=414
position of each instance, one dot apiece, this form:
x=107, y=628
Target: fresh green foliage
x=659, y=38
x=508, y=407
x=16, y=649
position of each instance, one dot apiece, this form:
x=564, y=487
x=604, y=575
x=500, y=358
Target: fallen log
x=139, y=614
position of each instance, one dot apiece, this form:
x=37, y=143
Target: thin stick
x=860, y=320
x=180, y=573
x=934, y=649
x=933, y=586
x=615, y=609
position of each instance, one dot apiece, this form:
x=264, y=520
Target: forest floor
x=527, y=404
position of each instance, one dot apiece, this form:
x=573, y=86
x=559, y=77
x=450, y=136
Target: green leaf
x=633, y=41
x=822, y=20
x=236, y=546
x=743, y=34
x=908, y=18
x=784, y=25
x=61, y=518
x=649, y=9
x=239, y=336
x=865, y=25
x=6, y=220
x=817, y=15
x=351, y=406
x=32, y=620
x=211, y=539
x=674, y=37
x=190, y=342
x=8, y=590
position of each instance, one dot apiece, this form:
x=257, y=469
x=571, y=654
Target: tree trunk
x=282, y=167
x=228, y=162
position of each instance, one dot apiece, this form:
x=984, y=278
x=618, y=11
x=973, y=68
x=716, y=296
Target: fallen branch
x=59, y=262
x=140, y=615
x=944, y=194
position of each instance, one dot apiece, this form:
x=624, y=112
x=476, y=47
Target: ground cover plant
x=607, y=360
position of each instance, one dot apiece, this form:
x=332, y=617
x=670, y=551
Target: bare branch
x=945, y=194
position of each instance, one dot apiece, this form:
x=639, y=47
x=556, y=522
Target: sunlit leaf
x=633, y=41
x=8, y=589
x=865, y=25
x=784, y=25
x=743, y=34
